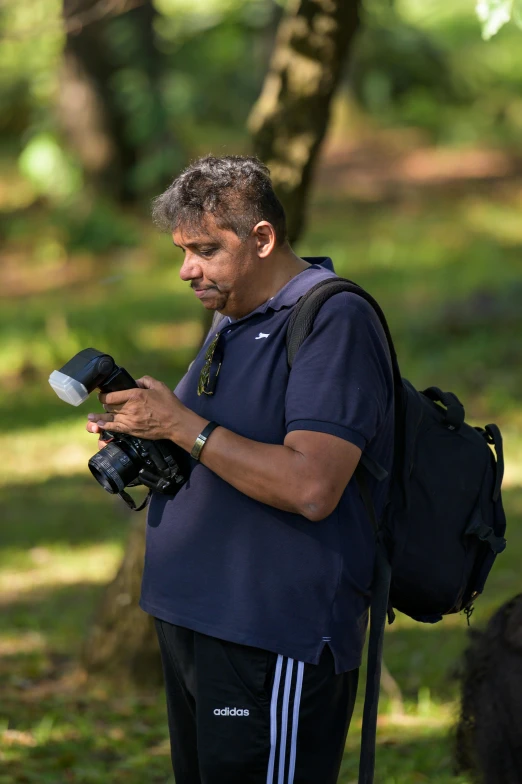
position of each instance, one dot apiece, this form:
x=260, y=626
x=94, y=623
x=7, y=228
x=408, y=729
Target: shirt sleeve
x=341, y=381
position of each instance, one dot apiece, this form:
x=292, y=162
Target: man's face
x=221, y=268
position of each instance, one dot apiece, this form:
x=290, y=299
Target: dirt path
x=394, y=164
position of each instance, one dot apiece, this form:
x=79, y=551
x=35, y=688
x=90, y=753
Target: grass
x=445, y=266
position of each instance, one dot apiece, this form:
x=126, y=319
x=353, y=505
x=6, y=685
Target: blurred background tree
x=290, y=117
x=111, y=107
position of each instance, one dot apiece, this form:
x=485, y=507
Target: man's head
x=224, y=215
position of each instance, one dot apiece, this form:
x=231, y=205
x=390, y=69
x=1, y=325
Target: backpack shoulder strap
x=303, y=316
x=299, y=327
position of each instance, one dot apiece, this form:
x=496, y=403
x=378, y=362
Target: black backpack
x=443, y=524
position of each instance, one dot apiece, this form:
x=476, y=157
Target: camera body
x=126, y=461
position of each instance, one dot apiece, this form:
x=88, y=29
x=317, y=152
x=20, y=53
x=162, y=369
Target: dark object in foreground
x=488, y=740
x=126, y=460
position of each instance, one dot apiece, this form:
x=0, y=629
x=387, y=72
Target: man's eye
x=207, y=252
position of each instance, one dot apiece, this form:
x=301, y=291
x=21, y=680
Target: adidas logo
x=230, y=712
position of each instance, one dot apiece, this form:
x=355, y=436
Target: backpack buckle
x=486, y=534
x=497, y=543
x=454, y=414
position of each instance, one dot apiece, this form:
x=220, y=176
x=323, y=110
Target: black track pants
x=242, y=715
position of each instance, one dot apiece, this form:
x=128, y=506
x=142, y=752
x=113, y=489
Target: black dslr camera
x=162, y=466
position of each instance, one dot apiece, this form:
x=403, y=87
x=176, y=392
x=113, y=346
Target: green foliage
x=30, y=55
x=202, y=71
x=98, y=228
x=198, y=92
x=423, y=64
x=494, y=14
x=48, y=167
x=395, y=59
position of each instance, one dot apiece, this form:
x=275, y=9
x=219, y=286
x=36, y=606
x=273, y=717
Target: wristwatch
x=201, y=440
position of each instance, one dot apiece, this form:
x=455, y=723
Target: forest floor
x=436, y=236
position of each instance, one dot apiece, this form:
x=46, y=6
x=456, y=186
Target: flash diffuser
x=68, y=389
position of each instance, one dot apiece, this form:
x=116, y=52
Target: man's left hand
x=151, y=412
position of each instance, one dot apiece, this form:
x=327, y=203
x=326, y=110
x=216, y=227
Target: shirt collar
x=321, y=268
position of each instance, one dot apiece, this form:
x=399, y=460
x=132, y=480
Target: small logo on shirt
x=231, y=712
x=262, y=335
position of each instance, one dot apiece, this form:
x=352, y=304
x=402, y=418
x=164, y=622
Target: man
x=258, y=571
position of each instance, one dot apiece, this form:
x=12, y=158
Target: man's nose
x=191, y=268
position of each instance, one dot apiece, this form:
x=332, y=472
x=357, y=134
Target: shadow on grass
x=61, y=511
x=61, y=616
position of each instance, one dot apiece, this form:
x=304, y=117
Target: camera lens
x=113, y=467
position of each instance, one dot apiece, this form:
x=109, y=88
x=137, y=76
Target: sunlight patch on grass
x=499, y=221
x=45, y=731
x=512, y=437
x=29, y=642
x=94, y=564
x=17, y=738
x=51, y=450
x=421, y=716
x=407, y=744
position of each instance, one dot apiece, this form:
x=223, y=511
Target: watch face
x=198, y=446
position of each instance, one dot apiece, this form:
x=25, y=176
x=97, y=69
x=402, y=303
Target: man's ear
x=265, y=237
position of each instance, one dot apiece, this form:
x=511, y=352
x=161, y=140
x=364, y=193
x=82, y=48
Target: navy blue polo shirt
x=223, y=564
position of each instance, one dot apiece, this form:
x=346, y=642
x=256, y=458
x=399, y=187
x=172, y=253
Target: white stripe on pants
x=279, y=733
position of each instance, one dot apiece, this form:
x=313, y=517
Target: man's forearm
x=273, y=474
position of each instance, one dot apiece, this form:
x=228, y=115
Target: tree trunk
x=111, y=135
x=122, y=641
x=290, y=118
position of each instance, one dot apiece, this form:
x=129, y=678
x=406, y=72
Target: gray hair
x=235, y=189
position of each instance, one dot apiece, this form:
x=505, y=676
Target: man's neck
x=282, y=267
x=286, y=266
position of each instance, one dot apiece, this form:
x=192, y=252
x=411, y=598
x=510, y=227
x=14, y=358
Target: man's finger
x=117, y=398
x=100, y=419
x=114, y=427
x=112, y=409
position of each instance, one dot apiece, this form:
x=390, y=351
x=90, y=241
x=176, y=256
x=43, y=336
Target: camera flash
x=67, y=388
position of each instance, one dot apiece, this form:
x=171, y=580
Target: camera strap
x=129, y=500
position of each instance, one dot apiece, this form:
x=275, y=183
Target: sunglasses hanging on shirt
x=211, y=367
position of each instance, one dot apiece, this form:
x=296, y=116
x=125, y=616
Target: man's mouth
x=201, y=292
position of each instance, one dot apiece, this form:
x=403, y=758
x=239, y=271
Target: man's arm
x=306, y=475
